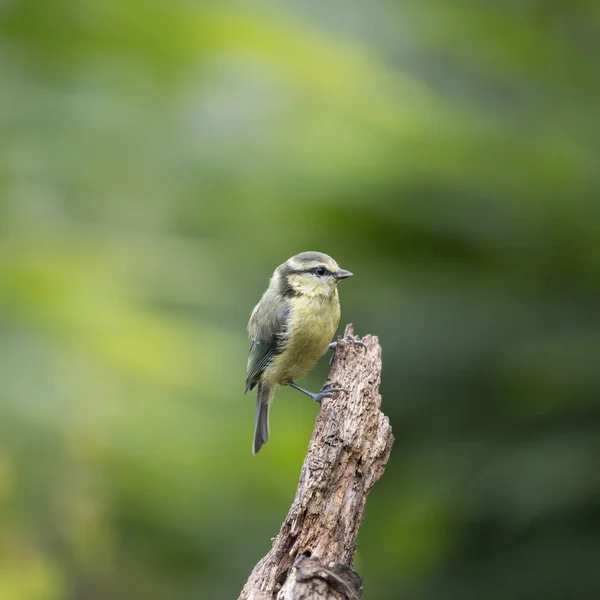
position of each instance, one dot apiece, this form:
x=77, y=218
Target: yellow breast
x=312, y=324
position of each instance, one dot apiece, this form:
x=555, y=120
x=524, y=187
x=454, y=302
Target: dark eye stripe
x=312, y=270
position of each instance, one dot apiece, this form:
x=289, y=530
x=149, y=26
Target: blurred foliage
x=158, y=160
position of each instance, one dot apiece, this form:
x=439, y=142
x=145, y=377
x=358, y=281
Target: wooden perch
x=313, y=554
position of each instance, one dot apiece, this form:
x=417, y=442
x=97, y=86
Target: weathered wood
x=310, y=579
x=347, y=454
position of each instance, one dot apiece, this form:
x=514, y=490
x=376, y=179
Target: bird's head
x=310, y=274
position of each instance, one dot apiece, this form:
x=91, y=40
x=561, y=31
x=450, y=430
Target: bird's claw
x=327, y=392
x=356, y=342
x=348, y=338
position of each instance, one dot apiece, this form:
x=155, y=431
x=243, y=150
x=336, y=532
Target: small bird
x=290, y=329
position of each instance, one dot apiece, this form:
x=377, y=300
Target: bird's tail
x=261, y=420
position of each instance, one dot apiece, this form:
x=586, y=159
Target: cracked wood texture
x=313, y=553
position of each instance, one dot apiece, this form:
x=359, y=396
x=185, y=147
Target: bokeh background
x=159, y=158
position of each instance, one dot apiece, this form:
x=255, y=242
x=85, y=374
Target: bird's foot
x=326, y=391
x=349, y=338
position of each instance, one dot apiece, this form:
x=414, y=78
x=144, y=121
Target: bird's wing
x=266, y=329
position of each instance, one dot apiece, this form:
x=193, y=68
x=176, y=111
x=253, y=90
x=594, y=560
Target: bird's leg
x=349, y=338
x=325, y=392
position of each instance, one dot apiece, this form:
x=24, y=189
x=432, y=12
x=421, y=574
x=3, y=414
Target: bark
x=312, y=557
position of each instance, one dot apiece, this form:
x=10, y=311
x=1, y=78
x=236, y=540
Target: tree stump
x=312, y=556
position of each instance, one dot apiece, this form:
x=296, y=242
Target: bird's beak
x=343, y=274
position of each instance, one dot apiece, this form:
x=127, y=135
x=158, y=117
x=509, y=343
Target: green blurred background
x=158, y=158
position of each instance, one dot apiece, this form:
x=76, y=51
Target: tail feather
x=261, y=420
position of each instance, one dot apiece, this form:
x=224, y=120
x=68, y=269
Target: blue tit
x=290, y=329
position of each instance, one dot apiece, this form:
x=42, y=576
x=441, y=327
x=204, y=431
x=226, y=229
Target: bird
x=290, y=328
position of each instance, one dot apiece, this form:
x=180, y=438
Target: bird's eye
x=320, y=271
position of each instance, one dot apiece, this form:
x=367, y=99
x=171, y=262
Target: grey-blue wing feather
x=266, y=344
x=261, y=354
